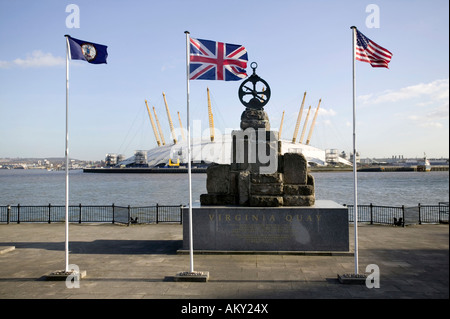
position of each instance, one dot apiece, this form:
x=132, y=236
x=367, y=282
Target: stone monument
x=259, y=175
x=263, y=200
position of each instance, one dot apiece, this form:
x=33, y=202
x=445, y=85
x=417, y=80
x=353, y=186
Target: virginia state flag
x=88, y=51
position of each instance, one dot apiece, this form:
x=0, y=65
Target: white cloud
x=437, y=117
x=364, y=99
x=326, y=112
x=440, y=112
x=436, y=91
x=36, y=59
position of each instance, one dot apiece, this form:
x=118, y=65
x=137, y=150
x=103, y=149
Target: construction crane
x=159, y=128
x=312, y=124
x=304, y=126
x=210, y=115
x=281, y=126
x=153, y=125
x=181, y=127
x=170, y=120
x=297, y=125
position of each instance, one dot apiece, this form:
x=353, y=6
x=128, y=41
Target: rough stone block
x=266, y=201
x=218, y=179
x=255, y=124
x=233, y=183
x=280, y=164
x=253, y=114
x=217, y=199
x=243, y=187
x=296, y=189
x=252, y=118
x=267, y=178
x=295, y=168
x=266, y=189
x=298, y=200
x=310, y=181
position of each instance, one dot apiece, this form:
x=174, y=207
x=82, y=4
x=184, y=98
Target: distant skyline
x=299, y=46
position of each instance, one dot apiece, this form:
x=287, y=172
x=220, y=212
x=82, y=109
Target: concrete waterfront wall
x=322, y=227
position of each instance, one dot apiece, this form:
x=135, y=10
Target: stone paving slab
x=141, y=261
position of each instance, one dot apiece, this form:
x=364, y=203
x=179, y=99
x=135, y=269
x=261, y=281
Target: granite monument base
x=322, y=227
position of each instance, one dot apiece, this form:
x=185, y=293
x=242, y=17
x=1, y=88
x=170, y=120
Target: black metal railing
x=401, y=215
x=91, y=214
x=373, y=214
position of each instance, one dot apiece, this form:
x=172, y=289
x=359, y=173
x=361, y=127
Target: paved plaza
x=140, y=261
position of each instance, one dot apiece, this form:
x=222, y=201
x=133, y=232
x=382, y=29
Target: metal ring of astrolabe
x=254, y=92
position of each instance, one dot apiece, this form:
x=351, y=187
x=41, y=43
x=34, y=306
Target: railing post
x=79, y=216
x=371, y=214
x=181, y=214
x=129, y=215
x=420, y=219
x=18, y=213
x=157, y=212
x=403, y=214
x=113, y=213
x=8, y=212
x=49, y=210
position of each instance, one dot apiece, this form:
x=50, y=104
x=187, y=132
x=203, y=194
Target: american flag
x=211, y=60
x=369, y=51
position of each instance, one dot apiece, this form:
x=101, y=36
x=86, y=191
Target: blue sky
x=299, y=46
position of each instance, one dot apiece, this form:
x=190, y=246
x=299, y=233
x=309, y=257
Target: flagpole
x=191, y=243
x=355, y=183
x=67, y=158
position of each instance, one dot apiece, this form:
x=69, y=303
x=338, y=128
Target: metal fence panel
x=372, y=214
x=169, y=214
x=388, y=215
x=433, y=214
x=121, y=214
x=143, y=215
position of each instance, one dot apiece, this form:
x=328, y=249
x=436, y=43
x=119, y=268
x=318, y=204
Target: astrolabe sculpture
x=259, y=175
x=254, y=94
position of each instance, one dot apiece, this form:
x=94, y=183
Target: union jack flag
x=211, y=60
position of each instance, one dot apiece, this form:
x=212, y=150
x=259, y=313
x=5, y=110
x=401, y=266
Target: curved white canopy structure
x=219, y=151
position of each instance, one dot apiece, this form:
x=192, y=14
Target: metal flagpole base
x=197, y=276
x=355, y=279
x=61, y=275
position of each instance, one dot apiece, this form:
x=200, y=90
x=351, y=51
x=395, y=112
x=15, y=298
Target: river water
x=41, y=187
